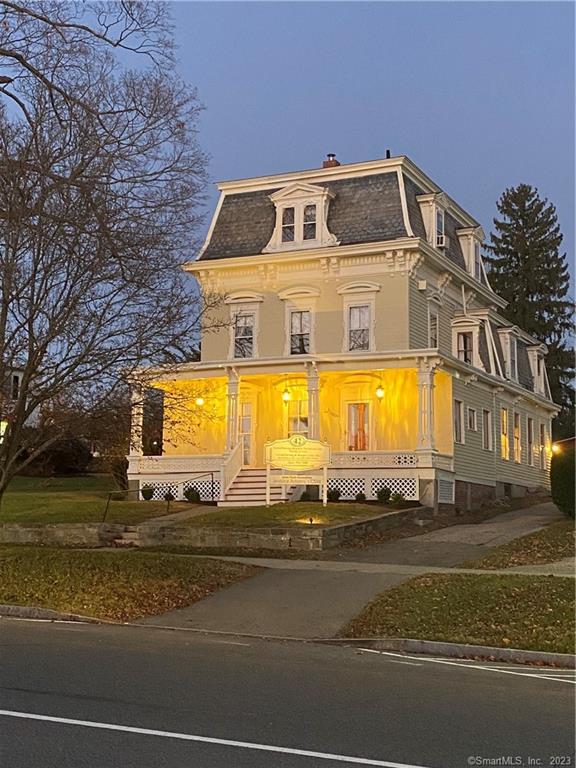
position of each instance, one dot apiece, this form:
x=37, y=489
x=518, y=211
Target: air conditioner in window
x=442, y=241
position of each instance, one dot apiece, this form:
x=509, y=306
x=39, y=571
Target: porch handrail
x=231, y=467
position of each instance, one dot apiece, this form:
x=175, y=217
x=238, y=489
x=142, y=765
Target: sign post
x=297, y=455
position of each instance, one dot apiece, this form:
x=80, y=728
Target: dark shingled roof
x=366, y=209
x=454, y=250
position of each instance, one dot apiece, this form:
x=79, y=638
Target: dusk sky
x=480, y=95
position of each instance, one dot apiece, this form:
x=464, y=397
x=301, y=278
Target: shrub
x=361, y=497
x=562, y=480
x=169, y=496
x=147, y=491
x=397, y=498
x=334, y=494
x=192, y=494
x=305, y=496
x=383, y=495
x=66, y=456
x=118, y=496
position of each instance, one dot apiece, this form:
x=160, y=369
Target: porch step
x=249, y=490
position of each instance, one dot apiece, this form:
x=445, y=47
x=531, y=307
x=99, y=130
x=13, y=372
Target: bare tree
x=100, y=179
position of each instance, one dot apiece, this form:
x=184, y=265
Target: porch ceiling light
x=199, y=401
x=379, y=391
x=286, y=396
x=556, y=448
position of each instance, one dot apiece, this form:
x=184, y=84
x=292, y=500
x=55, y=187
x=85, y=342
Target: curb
x=46, y=614
x=402, y=644
x=460, y=650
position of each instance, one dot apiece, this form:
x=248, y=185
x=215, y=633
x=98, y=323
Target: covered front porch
x=387, y=426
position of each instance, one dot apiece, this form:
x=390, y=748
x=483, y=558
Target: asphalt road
x=143, y=697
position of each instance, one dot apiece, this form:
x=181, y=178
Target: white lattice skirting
x=204, y=488
x=350, y=486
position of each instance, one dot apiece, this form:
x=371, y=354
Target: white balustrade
x=151, y=465
x=352, y=459
x=231, y=467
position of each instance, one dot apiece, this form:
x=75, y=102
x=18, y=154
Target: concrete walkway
x=315, y=598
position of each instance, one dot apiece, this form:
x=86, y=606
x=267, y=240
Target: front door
x=358, y=426
x=245, y=430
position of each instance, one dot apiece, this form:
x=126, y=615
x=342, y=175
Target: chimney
x=331, y=162
x=387, y=154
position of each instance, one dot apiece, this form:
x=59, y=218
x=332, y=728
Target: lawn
x=119, y=585
x=553, y=543
x=290, y=514
x=79, y=499
x=528, y=612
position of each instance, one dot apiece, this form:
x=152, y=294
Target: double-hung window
x=530, y=440
x=299, y=332
x=244, y=335
x=458, y=421
x=487, y=430
x=465, y=347
x=513, y=358
x=309, y=224
x=298, y=417
x=432, y=328
x=440, y=234
x=288, y=224
x=517, y=439
x=472, y=420
x=542, y=446
x=504, y=437
x=477, y=262
x=359, y=328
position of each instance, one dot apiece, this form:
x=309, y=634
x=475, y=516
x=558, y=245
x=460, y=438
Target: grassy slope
x=116, y=585
x=553, y=543
x=530, y=612
x=298, y=513
x=73, y=500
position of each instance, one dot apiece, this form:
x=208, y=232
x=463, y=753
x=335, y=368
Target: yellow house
x=356, y=310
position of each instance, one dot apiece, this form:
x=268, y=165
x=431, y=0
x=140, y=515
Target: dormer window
x=301, y=218
x=477, y=262
x=440, y=234
x=466, y=341
x=288, y=219
x=465, y=347
x=513, y=358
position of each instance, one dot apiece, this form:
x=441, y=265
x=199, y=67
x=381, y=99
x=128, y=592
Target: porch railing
x=361, y=459
x=232, y=465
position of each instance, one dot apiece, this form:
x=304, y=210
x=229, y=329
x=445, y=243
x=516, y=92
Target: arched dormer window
x=301, y=218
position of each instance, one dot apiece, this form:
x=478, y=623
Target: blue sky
x=479, y=94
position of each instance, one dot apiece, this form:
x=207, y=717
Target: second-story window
x=465, y=347
x=288, y=222
x=299, y=332
x=432, y=328
x=359, y=328
x=15, y=387
x=244, y=335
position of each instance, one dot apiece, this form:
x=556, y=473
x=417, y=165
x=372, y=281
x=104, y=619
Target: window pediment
x=359, y=287
x=300, y=291
x=243, y=297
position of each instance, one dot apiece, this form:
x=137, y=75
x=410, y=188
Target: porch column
x=313, y=402
x=232, y=411
x=426, y=405
x=137, y=420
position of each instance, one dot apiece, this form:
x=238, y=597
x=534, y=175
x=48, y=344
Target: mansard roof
x=370, y=202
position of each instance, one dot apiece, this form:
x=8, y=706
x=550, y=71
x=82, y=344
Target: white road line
x=208, y=740
x=393, y=661
x=475, y=666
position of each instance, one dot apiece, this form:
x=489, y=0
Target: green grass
x=117, y=585
x=74, y=500
x=553, y=543
x=298, y=513
x=527, y=612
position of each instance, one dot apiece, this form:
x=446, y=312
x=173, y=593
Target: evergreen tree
x=527, y=269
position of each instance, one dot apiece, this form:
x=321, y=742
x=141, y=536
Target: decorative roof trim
x=243, y=297
x=404, y=203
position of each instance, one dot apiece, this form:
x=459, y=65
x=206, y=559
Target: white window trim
x=467, y=325
x=517, y=458
x=489, y=432
x=506, y=334
x=244, y=308
x=355, y=295
x=530, y=442
x=299, y=299
x=459, y=404
x=298, y=196
x=433, y=310
x=506, y=457
x=469, y=412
